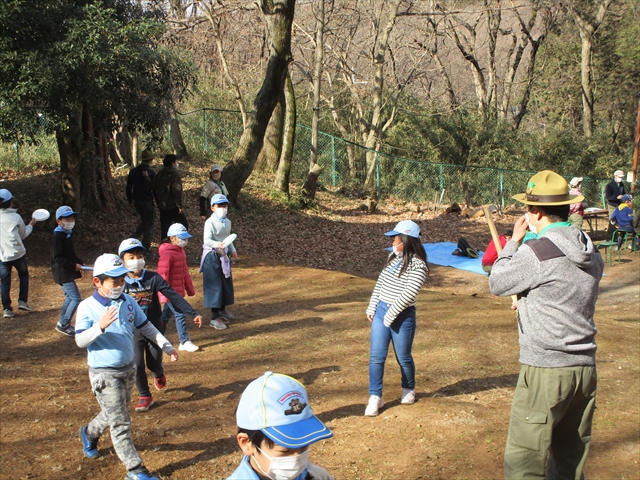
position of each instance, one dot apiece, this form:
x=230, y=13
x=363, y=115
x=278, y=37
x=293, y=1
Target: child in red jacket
x=172, y=266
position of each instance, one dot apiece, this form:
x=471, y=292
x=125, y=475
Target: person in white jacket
x=12, y=253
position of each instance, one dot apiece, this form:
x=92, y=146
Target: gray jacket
x=556, y=296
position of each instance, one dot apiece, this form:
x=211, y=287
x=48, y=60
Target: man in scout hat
x=556, y=279
x=139, y=193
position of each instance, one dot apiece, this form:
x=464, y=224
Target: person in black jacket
x=139, y=193
x=614, y=192
x=66, y=267
x=143, y=286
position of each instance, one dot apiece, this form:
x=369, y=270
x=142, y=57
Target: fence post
x=501, y=190
x=441, y=178
x=204, y=119
x=378, y=175
x=604, y=202
x=333, y=161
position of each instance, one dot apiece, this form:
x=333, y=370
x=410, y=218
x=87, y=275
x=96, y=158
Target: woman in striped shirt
x=392, y=312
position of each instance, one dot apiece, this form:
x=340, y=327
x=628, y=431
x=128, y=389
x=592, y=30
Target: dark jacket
x=612, y=190
x=139, y=186
x=168, y=186
x=145, y=291
x=64, y=259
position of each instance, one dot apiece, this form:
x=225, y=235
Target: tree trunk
x=123, y=145
x=311, y=184
x=288, y=138
x=179, y=148
x=135, y=158
x=272, y=149
x=279, y=19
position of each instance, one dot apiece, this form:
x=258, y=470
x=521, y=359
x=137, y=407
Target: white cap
x=110, y=265
x=618, y=173
x=575, y=181
x=178, y=230
x=5, y=195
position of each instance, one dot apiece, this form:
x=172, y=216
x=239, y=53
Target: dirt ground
x=305, y=317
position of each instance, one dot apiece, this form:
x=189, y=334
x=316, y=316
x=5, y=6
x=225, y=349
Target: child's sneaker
x=160, y=382
x=140, y=474
x=24, y=306
x=408, y=396
x=226, y=315
x=8, y=313
x=375, y=403
x=89, y=445
x=217, y=324
x=188, y=346
x=143, y=404
x=67, y=330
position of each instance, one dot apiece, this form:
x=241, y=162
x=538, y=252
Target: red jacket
x=172, y=266
x=491, y=254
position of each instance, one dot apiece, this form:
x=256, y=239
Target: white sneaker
x=375, y=403
x=217, y=324
x=408, y=396
x=188, y=346
x=24, y=306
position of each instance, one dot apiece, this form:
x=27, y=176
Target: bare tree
x=288, y=137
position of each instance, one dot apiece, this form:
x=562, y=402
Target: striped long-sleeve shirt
x=400, y=291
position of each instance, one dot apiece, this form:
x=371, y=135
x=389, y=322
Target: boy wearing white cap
x=613, y=193
x=105, y=326
x=275, y=428
x=12, y=253
x=213, y=187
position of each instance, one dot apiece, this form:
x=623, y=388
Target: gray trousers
x=113, y=392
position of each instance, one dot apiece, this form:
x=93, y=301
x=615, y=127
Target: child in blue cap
x=275, y=428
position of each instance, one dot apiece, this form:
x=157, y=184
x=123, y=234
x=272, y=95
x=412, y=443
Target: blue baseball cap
x=406, y=227
x=178, y=230
x=130, y=244
x=65, y=211
x=110, y=265
x=626, y=198
x=5, y=195
x=218, y=199
x=278, y=406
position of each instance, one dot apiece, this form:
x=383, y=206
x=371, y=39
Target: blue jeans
x=72, y=299
x=401, y=334
x=181, y=324
x=20, y=265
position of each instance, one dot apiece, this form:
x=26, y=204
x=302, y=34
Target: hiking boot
x=188, y=346
x=89, y=445
x=375, y=403
x=24, y=306
x=143, y=405
x=160, y=382
x=217, y=324
x=8, y=313
x=66, y=330
x=140, y=474
x=226, y=315
x=408, y=396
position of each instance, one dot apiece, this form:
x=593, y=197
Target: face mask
x=395, y=249
x=532, y=228
x=68, y=226
x=135, y=265
x=221, y=211
x=177, y=165
x=182, y=243
x=285, y=468
x=114, y=293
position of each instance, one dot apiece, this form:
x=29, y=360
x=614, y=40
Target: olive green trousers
x=551, y=416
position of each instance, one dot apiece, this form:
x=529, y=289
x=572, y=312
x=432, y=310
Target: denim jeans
x=401, y=334
x=20, y=265
x=72, y=299
x=181, y=323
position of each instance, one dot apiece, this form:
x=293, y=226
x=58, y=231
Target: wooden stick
x=496, y=242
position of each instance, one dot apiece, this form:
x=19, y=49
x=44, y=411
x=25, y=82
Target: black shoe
x=66, y=330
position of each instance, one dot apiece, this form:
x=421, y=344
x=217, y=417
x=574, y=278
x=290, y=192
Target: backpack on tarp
x=464, y=249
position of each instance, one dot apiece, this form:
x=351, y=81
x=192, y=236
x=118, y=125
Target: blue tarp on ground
x=440, y=254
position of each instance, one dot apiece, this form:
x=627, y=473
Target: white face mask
x=114, y=293
x=220, y=211
x=285, y=468
x=135, y=265
x=68, y=226
x=532, y=228
x=182, y=243
x=395, y=249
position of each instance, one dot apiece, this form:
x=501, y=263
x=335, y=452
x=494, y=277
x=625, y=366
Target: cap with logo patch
x=110, y=265
x=278, y=406
x=64, y=211
x=178, y=230
x=130, y=244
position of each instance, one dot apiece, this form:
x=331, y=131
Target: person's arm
x=24, y=230
x=188, y=284
x=211, y=229
x=232, y=248
x=610, y=193
x=88, y=332
x=515, y=271
x=375, y=295
x=415, y=278
x=59, y=253
x=176, y=188
x=179, y=303
x=203, y=210
x=149, y=331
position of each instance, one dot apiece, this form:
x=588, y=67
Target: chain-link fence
x=214, y=134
